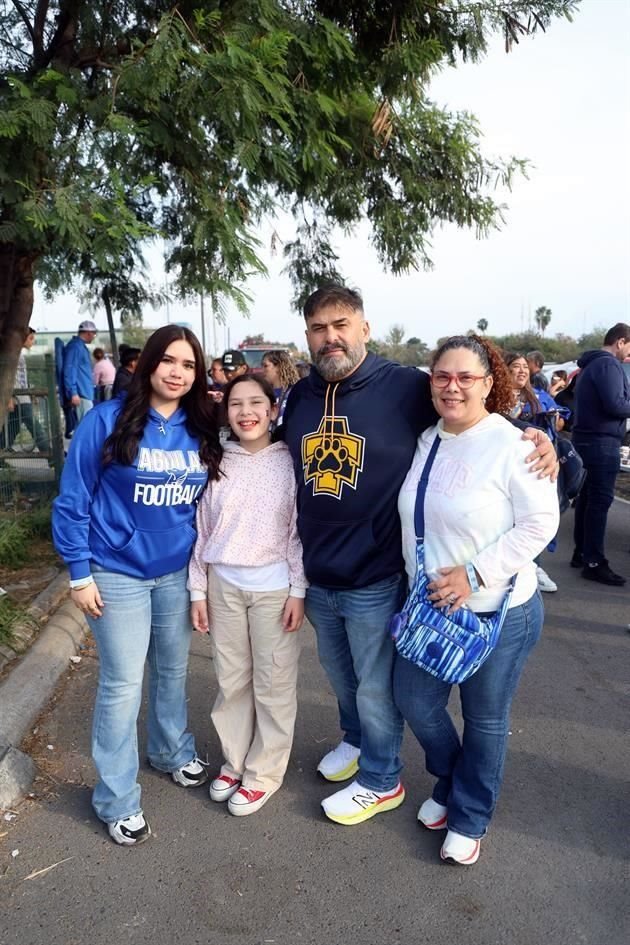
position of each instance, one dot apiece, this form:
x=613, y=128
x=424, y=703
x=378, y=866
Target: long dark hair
x=201, y=419
x=528, y=395
x=499, y=399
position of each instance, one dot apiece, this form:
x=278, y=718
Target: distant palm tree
x=482, y=325
x=542, y=316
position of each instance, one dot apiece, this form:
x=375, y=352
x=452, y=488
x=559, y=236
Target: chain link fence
x=31, y=438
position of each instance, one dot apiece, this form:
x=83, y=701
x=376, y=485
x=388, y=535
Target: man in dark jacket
x=351, y=427
x=602, y=405
x=124, y=375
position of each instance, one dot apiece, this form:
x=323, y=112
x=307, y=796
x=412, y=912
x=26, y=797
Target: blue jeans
x=470, y=773
x=141, y=619
x=600, y=456
x=357, y=653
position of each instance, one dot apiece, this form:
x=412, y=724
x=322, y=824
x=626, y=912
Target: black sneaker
x=577, y=561
x=603, y=575
x=130, y=831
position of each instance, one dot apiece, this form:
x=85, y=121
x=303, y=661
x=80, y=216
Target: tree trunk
x=16, y=308
x=110, y=324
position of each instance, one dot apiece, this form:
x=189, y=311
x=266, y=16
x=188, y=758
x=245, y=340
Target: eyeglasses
x=464, y=381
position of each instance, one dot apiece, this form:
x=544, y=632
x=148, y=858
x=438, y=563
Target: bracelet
x=80, y=583
x=472, y=578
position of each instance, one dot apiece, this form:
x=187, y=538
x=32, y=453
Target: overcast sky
x=560, y=99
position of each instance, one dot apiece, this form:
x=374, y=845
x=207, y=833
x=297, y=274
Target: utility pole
x=203, y=324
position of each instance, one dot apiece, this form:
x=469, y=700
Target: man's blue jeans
x=469, y=773
x=600, y=455
x=141, y=619
x=357, y=653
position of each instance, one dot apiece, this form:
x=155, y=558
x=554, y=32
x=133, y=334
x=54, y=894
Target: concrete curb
x=25, y=692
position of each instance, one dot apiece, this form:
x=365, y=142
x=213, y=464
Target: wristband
x=80, y=583
x=472, y=578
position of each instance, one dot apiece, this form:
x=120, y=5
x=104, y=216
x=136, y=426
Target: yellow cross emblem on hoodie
x=332, y=457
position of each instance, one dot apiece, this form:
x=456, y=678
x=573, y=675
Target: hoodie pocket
x=337, y=554
x=147, y=554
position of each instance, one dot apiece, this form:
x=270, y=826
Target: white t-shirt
x=482, y=505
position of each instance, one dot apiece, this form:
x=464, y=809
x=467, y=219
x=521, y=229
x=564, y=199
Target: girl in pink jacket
x=247, y=588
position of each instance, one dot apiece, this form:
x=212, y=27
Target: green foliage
x=16, y=532
x=11, y=615
x=122, y=123
x=413, y=352
x=542, y=317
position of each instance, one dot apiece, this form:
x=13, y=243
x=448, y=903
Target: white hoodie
x=482, y=505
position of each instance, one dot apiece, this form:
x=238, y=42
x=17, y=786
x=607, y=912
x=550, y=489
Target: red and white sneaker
x=246, y=801
x=459, y=849
x=432, y=815
x=223, y=787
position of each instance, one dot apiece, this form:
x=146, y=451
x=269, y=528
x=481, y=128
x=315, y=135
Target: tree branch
x=29, y=26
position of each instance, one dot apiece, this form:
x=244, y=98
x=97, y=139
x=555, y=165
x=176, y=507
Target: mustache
x=332, y=346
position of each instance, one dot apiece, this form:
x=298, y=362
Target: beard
x=334, y=368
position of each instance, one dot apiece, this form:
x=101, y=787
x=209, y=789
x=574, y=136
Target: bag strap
x=422, y=488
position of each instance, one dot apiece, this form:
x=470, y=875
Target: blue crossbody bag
x=451, y=647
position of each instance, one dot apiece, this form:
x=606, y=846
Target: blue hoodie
x=602, y=396
x=136, y=520
x=77, y=370
x=352, y=444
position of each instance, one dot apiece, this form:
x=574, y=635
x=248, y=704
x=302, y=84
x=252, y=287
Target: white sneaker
x=355, y=803
x=459, y=849
x=341, y=763
x=545, y=584
x=130, y=830
x=432, y=815
x=192, y=774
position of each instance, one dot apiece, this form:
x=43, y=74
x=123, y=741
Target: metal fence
x=31, y=439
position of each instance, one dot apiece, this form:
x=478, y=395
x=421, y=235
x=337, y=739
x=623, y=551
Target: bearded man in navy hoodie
x=351, y=427
x=602, y=406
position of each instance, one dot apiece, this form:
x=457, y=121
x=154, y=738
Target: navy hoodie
x=602, y=396
x=352, y=444
x=136, y=520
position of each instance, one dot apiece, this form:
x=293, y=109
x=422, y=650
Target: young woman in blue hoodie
x=124, y=524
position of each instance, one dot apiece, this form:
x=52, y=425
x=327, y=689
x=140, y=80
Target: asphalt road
x=553, y=869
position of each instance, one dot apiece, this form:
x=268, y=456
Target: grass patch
x=17, y=532
x=11, y=614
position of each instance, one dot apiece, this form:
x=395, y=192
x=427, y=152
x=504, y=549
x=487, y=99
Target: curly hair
x=287, y=370
x=501, y=396
x=527, y=394
x=121, y=446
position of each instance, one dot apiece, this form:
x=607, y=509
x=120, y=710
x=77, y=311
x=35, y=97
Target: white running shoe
x=545, y=584
x=432, y=815
x=355, y=803
x=459, y=849
x=130, y=830
x=341, y=763
x=192, y=774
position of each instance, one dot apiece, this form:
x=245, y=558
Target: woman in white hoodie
x=247, y=589
x=486, y=519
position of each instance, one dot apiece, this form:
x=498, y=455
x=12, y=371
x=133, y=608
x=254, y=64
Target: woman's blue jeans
x=142, y=619
x=357, y=653
x=470, y=772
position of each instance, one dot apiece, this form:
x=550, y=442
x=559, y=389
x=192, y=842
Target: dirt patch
x=59, y=741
